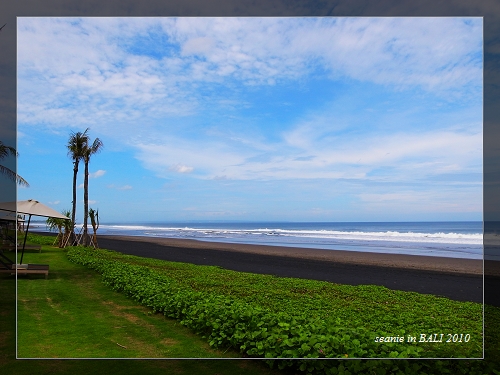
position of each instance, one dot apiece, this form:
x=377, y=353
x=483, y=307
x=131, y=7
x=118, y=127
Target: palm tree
x=96, y=147
x=54, y=223
x=76, y=145
x=68, y=227
x=4, y=152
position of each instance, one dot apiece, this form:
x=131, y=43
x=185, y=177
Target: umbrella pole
x=25, y=236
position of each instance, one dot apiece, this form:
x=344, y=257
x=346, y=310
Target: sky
x=255, y=119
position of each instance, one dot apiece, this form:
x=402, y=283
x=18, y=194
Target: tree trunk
x=60, y=238
x=73, y=211
x=96, y=246
x=85, y=202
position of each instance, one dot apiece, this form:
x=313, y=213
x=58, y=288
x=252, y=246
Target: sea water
x=445, y=239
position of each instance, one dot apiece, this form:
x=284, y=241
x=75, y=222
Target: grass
x=73, y=314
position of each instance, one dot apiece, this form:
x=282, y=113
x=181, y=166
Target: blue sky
x=260, y=119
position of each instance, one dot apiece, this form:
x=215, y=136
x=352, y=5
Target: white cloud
x=444, y=146
x=410, y=155
x=97, y=174
x=159, y=155
x=55, y=202
x=437, y=200
x=179, y=168
x=88, y=62
x=383, y=50
x=197, y=46
x=182, y=92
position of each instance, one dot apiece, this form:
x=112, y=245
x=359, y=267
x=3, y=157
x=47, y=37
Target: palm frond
x=6, y=150
x=95, y=148
x=76, y=145
x=13, y=176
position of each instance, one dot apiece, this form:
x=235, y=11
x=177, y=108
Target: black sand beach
x=457, y=279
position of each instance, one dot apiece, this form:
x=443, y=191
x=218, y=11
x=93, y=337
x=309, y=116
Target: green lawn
x=74, y=315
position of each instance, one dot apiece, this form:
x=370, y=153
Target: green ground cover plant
x=275, y=317
x=357, y=313
x=223, y=307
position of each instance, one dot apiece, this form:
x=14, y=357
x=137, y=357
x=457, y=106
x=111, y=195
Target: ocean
x=454, y=239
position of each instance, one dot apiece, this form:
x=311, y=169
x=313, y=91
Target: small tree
x=58, y=224
x=54, y=223
x=69, y=227
x=94, y=220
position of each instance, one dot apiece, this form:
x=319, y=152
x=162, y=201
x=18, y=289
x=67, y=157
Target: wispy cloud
x=97, y=174
x=386, y=110
x=97, y=64
x=411, y=155
x=179, y=168
x=424, y=201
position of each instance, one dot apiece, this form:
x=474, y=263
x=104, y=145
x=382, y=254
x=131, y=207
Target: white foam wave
x=393, y=236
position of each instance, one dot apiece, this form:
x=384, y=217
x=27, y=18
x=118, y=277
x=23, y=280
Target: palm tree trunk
x=85, y=201
x=73, y=211
x=60, y=237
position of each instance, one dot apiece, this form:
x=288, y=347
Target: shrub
x=256, y=331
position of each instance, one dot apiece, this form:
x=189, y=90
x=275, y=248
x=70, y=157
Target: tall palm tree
x=89, y=150
x=76, y=145
x=9, y=173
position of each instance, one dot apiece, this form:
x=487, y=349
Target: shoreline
x=463, y=266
